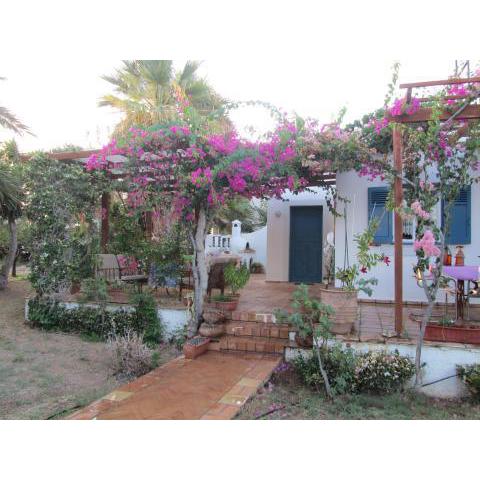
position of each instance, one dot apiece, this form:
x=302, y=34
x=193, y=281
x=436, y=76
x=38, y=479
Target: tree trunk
x=12, y=251
x=199, y=270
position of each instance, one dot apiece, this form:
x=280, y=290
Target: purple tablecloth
x=463, y=273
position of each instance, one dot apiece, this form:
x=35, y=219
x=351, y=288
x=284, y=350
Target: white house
x=297, y=229
x=298, y=225
x=367, y=198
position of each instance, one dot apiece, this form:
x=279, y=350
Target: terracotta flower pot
x=211, y=330
x=454, y=334
x=227, y=305
x=213, y=316
x=195, y=347
x=345, y=305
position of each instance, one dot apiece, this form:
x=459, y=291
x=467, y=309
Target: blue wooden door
x=306, y=238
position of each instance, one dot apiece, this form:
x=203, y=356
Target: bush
x=179, y=337
x=382, y=372
x=350, y=372
x=130, y=356
x=146, y=311
x=236, y=277
x=339, y=364
x=49, y=314
x=470, y=374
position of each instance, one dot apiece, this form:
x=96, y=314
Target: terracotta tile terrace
x=375, y=321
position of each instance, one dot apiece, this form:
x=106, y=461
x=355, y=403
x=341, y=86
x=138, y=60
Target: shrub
x=350, y=372
x=470, y=374
x=94, y=290
x=49, y=314
x=339, y=364
x=130, y=356
x=146, y=311
x=257, y=267
x=382, y=372
x=236, y=277
x=179, y=337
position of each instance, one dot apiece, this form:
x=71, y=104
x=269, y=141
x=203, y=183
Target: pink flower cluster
x=419, y=211
x=427, y=244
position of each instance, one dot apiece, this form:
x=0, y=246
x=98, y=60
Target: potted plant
x=196, y=346
x=344, y=300
x=225, y=303
x=236, y=277
x=211, y=330
x=309, y=315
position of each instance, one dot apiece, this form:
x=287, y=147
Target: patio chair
x=110, y=269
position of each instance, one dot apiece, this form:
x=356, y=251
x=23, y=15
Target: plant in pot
x=344, y=300
x=194, y=347
x=235, y=278
x=309, y=314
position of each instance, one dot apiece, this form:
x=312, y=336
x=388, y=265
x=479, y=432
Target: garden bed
x=286, y=398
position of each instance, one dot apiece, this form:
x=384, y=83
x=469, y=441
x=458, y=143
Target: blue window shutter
x=459, y=225
x=377, y=200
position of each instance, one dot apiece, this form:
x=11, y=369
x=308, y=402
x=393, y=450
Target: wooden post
x=398, y=230
x=105, y=220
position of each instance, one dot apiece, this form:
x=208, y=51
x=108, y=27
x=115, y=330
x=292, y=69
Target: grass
x=49, y=374
x=287, y=399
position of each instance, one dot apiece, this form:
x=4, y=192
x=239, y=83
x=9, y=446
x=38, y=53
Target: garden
x=104, y=247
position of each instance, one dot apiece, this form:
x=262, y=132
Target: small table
x=469, y=273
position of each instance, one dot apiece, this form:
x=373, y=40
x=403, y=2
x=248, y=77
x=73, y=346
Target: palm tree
x=10, y=209
x=151, y=91
x=9, y=121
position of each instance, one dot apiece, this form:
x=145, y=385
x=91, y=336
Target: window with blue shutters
x=377, y=200
x=459, y=224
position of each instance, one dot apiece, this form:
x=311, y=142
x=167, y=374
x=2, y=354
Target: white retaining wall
x=441, y=362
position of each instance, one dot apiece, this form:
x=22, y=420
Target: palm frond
x=9, y=121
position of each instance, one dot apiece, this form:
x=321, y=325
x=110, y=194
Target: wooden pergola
x=466, y=112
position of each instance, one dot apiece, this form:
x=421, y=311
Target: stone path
x=214, y=386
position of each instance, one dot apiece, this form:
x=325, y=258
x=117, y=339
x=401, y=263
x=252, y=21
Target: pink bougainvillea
x=427, y=244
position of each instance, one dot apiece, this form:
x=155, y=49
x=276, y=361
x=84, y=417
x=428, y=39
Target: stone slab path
x=214, y=386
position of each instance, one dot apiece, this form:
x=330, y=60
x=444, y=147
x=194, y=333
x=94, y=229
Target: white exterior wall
x=355, y=188
x=278, y=226
x=237, y=241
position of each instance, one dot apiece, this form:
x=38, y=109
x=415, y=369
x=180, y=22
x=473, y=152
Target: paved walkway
x=214, y=386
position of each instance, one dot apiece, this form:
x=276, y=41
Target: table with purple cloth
x=469, y=273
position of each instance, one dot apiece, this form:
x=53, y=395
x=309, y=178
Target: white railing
x=217, y=242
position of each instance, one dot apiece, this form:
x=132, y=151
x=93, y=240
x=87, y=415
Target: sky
x=61, y=104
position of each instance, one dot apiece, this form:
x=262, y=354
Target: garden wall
x=441, y=362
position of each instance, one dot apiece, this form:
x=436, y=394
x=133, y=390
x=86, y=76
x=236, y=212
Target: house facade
x=298, y=226
x=366, y=199
x=297, y=230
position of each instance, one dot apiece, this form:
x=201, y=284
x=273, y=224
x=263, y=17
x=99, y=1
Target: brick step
x=243, y=316
x=257, y=329
x=253, y=344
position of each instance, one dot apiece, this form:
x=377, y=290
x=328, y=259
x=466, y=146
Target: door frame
x=292, y=239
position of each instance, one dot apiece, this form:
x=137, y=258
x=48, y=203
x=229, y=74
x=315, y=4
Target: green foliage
x=146, y=311
x=236, y=277
x=339, y=364
x=50, y=314
x=349, y=372
x=350, y=276
x=310, y=316
x=94, y=289
x=382, y=372
x=61, y=207
x=178, y=337
x=470, y=374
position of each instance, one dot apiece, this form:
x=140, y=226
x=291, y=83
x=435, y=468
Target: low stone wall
x=439, y=374
x=171, y=318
